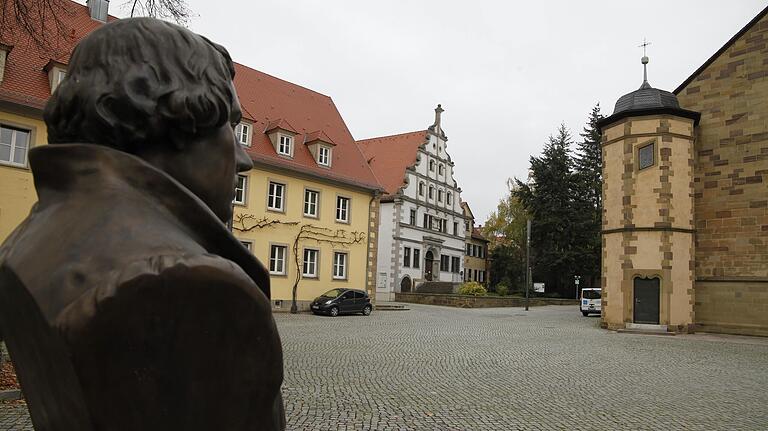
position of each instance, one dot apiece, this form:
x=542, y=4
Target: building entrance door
x=646, y=306
x=429, y=260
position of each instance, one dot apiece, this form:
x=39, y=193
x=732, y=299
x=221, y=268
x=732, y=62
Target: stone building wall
x=731, y=185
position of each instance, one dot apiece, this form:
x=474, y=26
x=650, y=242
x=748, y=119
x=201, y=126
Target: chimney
x=439, y=110
x=99, y=9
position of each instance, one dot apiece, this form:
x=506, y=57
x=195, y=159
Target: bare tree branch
x=34, y=21
x=307, y=232
x=175, y=10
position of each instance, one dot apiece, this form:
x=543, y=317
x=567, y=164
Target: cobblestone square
x=437, y=368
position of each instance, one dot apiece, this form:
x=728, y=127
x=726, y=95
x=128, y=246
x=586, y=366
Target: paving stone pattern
x=439, y=368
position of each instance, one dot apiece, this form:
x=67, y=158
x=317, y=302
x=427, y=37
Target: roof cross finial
x=644, y=60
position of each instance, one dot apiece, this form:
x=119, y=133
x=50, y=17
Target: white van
x=590, y=300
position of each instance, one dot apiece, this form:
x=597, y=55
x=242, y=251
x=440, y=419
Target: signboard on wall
x=381, y=281
x=538, y=287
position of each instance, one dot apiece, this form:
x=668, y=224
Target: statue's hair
x=136, y=82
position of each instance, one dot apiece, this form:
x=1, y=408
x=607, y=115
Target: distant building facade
x=421, y=224
x=685, y=225
x=476, y=264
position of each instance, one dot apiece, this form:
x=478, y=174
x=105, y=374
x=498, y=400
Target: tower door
x=647, y=299
x=429, y=260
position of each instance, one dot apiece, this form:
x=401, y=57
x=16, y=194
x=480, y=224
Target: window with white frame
x=14, y=145
x=413, y=217
x=309, y=266
x=339, y=265
x=276, y=196
x=240, y=190
x=247, y=244
x=342, y=209
x=407, y=257
x=277, y=255
x=324, y=156
x=243, y=134
x=311, y=199
x=285, y=146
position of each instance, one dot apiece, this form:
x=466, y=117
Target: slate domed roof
x=647, y=101
x=646, y=97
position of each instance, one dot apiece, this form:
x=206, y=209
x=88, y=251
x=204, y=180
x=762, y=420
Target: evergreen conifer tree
x=549, y=200
x=587, y=193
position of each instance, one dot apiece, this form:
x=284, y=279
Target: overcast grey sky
x=507, y=73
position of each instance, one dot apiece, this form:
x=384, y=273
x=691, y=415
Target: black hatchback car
x=342, y=301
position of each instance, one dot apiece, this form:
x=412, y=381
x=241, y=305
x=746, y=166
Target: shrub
x=472, y=288
x=502, y=289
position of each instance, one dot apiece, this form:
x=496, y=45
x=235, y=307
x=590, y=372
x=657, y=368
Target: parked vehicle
x=342, y=301
x=590, y=301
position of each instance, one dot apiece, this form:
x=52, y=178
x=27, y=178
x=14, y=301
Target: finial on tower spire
x=644, y=60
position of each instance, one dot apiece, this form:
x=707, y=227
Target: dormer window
x=285, y=147
x=324, y=156
x=4, y=50
x=243, y=134
x=56, y=73
x=281, y=134
x=321, y=147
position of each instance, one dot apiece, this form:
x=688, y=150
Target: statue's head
x=159, y=92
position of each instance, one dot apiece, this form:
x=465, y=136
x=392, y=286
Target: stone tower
x=648, y=223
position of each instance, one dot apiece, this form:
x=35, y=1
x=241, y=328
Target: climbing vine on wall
x=307, y=232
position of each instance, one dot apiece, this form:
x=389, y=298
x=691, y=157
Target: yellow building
x=476, y=267
x=29, y=74
x=308, y=210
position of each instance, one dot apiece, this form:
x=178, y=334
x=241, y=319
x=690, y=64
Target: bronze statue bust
x=125, y=302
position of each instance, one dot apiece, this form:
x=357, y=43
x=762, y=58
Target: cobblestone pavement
x=436, y=368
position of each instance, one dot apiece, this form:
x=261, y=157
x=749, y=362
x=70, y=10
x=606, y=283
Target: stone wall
x=731, y=186
x=731, y=175
x=732, y=307
x=464, y=301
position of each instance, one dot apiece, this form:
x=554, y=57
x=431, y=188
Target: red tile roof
x=389, y=156
x=266, y=101
x=25, y=82
x=478, y=234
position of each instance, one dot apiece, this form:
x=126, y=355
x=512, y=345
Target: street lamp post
x=527, y=260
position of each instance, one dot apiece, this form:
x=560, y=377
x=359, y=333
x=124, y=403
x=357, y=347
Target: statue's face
x=209, y=166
